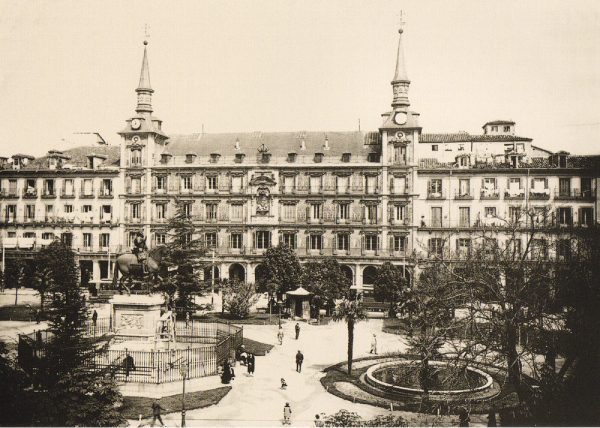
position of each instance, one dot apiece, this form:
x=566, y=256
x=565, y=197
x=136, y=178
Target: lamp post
x=212, y=281
x=183, y=369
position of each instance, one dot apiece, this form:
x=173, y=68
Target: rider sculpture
x=139, y=249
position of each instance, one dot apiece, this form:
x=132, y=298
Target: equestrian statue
x=137, y=263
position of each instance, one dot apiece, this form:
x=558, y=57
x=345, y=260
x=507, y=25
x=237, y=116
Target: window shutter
x=545, y=183
x=334, y=243
x=307, y=242
x=391, y=243
x=532, y=181
x=143, y=212
x=253, y=239
x=308, y=212
x=127, y=183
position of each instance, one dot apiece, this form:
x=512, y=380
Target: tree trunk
x=16, y=294
x=350, y=344
x=42, y=301
x=512, y=359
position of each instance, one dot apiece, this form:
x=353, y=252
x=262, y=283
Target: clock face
x=135, y=124
x=400, y=118
x=135, y=139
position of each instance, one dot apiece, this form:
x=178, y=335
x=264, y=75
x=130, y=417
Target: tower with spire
x=144, y=89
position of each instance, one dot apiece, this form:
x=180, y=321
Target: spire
x=144, y=90
x=401, y=82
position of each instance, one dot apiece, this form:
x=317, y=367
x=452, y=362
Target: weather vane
x=146, y=33
x=402, y=22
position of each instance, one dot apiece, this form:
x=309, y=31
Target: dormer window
x=239, y=157
x=165, y=158
x=190, y=157
x=494, y=128
x=291, y=157
x=326, y=145
x=346, y=157
x=265, y=157
x=507, y=129
x=237, y=144
x=136, y=157
x=562, y=161
x=318, y=157
x=52, y=163
x=214, y=157
x=373, y=157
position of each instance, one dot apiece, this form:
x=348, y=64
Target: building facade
x=362, y=197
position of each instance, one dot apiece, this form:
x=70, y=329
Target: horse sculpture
x=129, y=266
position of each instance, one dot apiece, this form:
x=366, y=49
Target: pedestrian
x=226, y=375
x=373, y=345
x=319, y=422
x=38, y=316
x=94, y=318
x=299, y=361
x=283, y=384
x=297, y=330
x=287, y=414
x=128, y=365
x=280, y=335
x=251, y=362
x=463, y=418
x=492, y=419
x=156, y=408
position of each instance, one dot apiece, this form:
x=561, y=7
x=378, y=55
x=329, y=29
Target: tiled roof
x=465, y=137
x=499, y=122
x=579, y=162
x=78, y=156
x=278, y=143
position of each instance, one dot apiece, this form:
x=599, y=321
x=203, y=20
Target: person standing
x=287, y=414
x=251, y=362
x=297, y=330
x=95, y=318
x=156, y=408
x=373, y=345
x=299, y=361
x=463, y=418
x=280, y=335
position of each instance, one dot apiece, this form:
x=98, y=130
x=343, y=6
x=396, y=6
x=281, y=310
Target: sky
x=287, y=65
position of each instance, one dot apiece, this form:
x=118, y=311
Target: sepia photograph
x=263, y=213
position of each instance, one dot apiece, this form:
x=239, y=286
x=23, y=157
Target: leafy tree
x=17, y=401
x=350, y=310
x=238, y=297
x=344, y=418
x=282, y=267
x=42, y=277
x=183, y=258
x=390, y=285
x=326, y=281
x=76, y=394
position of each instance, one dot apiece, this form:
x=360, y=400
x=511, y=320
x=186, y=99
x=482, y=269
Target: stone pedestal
x=136, y=316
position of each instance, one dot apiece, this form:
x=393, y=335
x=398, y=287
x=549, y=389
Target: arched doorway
x=237, y=272
x=369, y=274
x=208, y=272
x=348, y=273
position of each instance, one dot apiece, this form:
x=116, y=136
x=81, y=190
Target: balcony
x=130, y=190
x=67, y=194
x=105, y=194
x=435, y=195
x=30, y=193
x=539, y=195
x=514, y=195
x=9, y=193
x=489, y=194
x=464, y=195
x=86, y=194
x=573, y=194
x=49, y=194
x=130, y=219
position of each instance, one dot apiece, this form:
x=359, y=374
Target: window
x=436, y=216
x=237, y=211
x=563, y=249
x=136, y=185
x=399, y=185
x=106, y=189
x=342, y=184
x=514, y=213
x=136, y=157
x=514, y=186
x=540, y=215
x=315, y=242
x=29, y=212
x=400, y=154
x=343, y=241
x=316, y=211
x=346, y=157
x=399, y=212
x=47, y=236
x=539, y=249
x=586, y=216
x=435, y=246
x=291, y=157
x=564, y=186
x=160, y=238
x=371, y=242
x=586, y=187
x=371, y=184
x=489, y=183
x=562, y=161
x=211, y=211
x=538, y=185
x=12, y=187
x=463, y=160
x=49, y=212
x=189, y=158
x=214, y=157
x=373, y=157
x=68, y=209
x=236, y=184
x=494, y=129
x=344, y=211
x=135, y=211
x=161, y=182
x=490, y=212
x=289, y=239
x=104, y=240
x=49, y=187
x=514, y=245
x=463, y=246
x=236, y=241
x=186, y=182
x=87, y=240
x=11, y=213
x=210, y=239
x=104, y=269
x=565, y=216
x=318, y=157
x=315, y=184
x=399, y=243
x=372, y=213
x=434, y=147
x=288, y=184
x=435, y=187
x=289, y=212
x=263, y=239
x=464, y=187
x=506, y=129
x=68, y=188
x=464, y=216
x=212, y=182
x=161, y=211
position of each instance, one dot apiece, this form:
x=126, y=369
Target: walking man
x=299, y=361
x=280, y=336
x=297, y=330
x=373, y=345
x=94, y=317
x=156, y=408
x=287, y=414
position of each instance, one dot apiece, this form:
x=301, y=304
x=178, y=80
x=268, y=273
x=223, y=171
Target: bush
x=238, y=298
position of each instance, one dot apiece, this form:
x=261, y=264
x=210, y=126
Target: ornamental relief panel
x=132, y=321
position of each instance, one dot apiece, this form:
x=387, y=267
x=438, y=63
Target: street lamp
x=183, y=369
